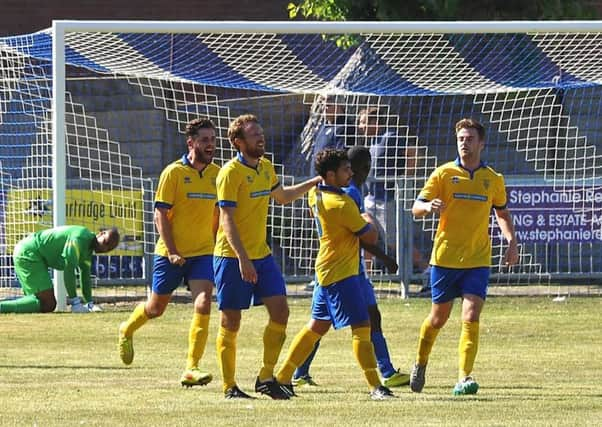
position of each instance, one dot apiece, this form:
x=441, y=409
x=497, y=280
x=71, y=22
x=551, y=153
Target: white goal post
x=98, y=93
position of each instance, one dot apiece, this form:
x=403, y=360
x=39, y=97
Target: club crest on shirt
x=455, y=179
x=486, y=184
x=249, y=179
x=187, y=180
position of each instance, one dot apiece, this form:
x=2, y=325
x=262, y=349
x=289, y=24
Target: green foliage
x=538, y=364
x=328, y=10
x=395, y=10
x=358, y=10
x=331, y=10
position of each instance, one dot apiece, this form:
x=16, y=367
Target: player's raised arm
x=284, y=195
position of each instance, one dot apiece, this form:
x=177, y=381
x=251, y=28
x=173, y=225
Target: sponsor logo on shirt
x=201, y=196
x=467, y=196
x=260, y=193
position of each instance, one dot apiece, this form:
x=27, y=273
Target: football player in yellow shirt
x=338, y=299
x=245, y=271
x=462, y=193
x=186, y=216
x=361, y=161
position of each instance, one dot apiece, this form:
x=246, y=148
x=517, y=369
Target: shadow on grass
x=490, y=389
x=93, y=368
x=492, y=394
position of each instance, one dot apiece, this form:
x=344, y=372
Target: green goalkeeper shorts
x=31, y=270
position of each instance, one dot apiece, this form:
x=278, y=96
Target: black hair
x=359, y=155
x=193, y=126
x=329, y=160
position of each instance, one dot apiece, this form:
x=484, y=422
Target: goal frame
x=62, y=27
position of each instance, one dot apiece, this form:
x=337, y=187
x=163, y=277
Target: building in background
x=28, y=16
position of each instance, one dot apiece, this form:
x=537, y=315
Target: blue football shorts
x=341, y=303
x=233, y=293
x=167, y=276
x=450, y=283
x=368, y=289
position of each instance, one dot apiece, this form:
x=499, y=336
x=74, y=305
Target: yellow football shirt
x=339, y=224
x=248, y=190
x=462, y=239
x=191, y=197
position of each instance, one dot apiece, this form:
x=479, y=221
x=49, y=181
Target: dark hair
x=193, y=126
x=471, y=124
x=113, y=237
x=112, y=241
x=374, y=115
x=329, y=160
x=359, y=154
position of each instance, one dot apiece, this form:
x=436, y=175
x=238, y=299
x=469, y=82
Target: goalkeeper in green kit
x=65, y=248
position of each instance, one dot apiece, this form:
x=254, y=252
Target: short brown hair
x=193, y=126
x=236, y=128
x=468, y=123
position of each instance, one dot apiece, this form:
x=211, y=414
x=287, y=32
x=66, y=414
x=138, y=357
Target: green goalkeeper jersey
x=64, y=248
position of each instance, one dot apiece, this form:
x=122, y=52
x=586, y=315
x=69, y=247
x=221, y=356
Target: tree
x=383, y=10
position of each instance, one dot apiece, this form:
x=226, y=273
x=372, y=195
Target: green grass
x=539, y=363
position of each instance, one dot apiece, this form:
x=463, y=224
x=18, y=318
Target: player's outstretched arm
x=284, y=195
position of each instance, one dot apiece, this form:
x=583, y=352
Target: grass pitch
x=539, y=363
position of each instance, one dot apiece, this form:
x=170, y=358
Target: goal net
x=398, y=90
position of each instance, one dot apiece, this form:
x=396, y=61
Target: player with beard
x=186, y=217
x=245, y=271
x=339, y=298
x=361, y=162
